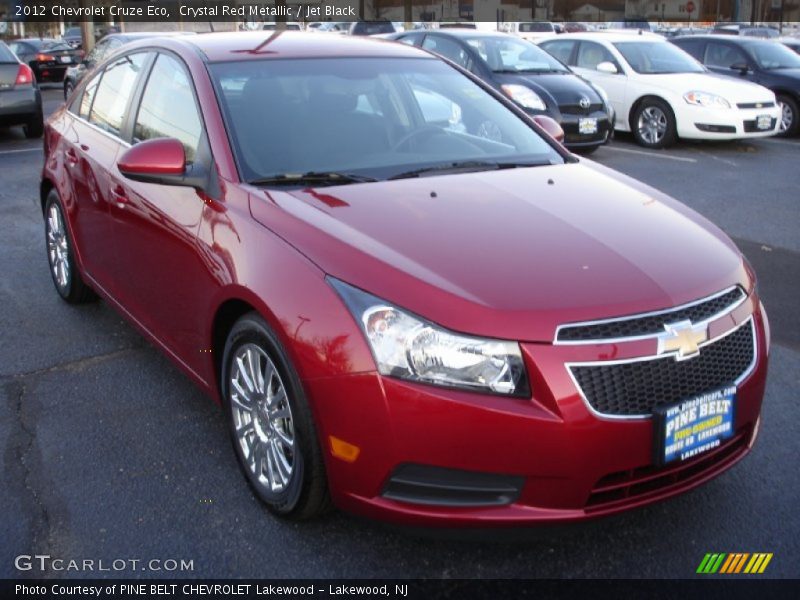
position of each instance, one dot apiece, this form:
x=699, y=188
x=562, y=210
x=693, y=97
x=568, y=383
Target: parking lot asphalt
x=110, y=453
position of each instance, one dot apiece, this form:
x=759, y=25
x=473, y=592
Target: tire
x=60, y=256
x=289, y=478
x=34, y=128
x=653, y=124
x=790, y=116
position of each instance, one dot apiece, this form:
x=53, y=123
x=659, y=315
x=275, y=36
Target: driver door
x=591, y=54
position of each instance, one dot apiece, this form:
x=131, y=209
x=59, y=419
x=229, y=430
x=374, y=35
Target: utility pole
x=408, y=14
x=87, y=32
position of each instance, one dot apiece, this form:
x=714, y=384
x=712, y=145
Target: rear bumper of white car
x=726, y=124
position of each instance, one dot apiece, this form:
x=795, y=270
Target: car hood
x=733, y=90
x=564, y=89
x=509, y=254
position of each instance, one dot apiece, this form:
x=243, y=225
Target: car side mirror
x=551, y=127
x=161, y=161
x=607, y=67
x=741, y=67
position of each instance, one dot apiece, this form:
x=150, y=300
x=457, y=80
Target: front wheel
x=790, y=116
x=270, y=422
x=34, y=127
x=653, y=124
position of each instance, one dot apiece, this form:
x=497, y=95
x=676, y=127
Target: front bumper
x=549, y=458
x=725, y=124
x=570, y=123
x=19, y=104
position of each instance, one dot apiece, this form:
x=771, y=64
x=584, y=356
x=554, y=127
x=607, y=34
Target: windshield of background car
x=375, y=117
x=773, y=55
x=6, y=56
x=55, y=46
x=654, y=58
x=512, y=55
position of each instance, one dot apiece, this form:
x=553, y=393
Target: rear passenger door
x=158, y=263
x=91, y=147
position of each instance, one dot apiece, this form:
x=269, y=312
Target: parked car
x=371, y=27
x=528, y=75
x=423, y=325
x=105, y=47
x=20, y=99
x=791, y=42
x=768, y=63
x=290, y=26
x=531, y=30
x=746, y=30
x=48, y=58
x=73, y=38
x=660, y=93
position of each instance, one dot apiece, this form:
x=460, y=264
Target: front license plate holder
x=693, y=426
x=763, y=122
x=587, y=126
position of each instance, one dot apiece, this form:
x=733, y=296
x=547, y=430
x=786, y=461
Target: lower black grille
x=576, y=109
x=636, y=388
x=755, y=105
x=716, y=128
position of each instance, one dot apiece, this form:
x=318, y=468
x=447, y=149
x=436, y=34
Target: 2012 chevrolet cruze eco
x=399, y=313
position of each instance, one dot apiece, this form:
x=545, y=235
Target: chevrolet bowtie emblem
x=682, y=338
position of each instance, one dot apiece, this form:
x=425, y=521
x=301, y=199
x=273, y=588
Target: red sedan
x=410, y=300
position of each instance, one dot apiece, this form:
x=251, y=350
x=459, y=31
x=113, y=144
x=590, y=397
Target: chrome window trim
x=643, y=315
x=745, y=374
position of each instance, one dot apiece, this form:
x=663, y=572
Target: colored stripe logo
x=734, y=563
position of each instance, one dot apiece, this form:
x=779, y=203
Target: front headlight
x=706, y=100
x=524, y=96
x=409, y=347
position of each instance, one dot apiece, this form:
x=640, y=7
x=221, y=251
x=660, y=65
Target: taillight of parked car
x=24, y=76
x=45, y=57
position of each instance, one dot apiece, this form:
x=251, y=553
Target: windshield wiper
x=466, y=166
x=312, y=177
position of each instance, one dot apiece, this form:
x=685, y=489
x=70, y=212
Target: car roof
x=736, y=39
x=259, y=45
x=468, y=33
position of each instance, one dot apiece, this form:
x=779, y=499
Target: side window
x=448, y=49
x=723, y=55
x=88, y=97
x=114, y=92
x=167, y=88
x=693, y=47
x=435, y=108
x=591, y=54
x=560, y=49
x=412, y=39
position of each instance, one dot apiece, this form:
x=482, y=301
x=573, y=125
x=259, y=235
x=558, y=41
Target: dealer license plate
x=763, y=122
x=693, y=426
x=587, y=126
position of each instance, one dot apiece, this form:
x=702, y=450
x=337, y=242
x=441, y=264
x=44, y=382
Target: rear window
x=372, y=28
x=536, y=28
x=6, y=56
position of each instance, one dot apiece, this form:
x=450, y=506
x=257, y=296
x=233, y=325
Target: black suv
x=768, y=63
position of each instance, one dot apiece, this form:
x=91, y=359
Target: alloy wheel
x=787, y=117
x=58, y=247
x=652, y=125
x=262, y=418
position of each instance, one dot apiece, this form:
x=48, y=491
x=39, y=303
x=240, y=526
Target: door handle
x=72, y=157
x=119, y=195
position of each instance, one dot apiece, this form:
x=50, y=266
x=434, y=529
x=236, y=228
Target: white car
x=660, y=93
x=531, y=30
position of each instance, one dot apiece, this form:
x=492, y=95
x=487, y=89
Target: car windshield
x=508, y=54
x=657, y=57
x=367, y=117
x=55, y=46
x=773, y=55
x=536, y=27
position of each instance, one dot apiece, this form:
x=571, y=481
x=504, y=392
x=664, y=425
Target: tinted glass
x=168, y=107
x=114, y=92
x=773, y=55
x=6, y=55
x=536, y=28
x=88, y=97
x=723, y=55
x=372, y=116
x=447, y=48
x=508, y=54
x=652, y=58
x=372, y=28
x=55, y=46
x=693, y=47
x=561, y=49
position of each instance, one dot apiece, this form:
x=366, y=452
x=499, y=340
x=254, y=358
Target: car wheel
x=790, y=116
x=60, y=256
x=653, y=124
x=271, y=426
x=34, y=128
x=68, y=87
